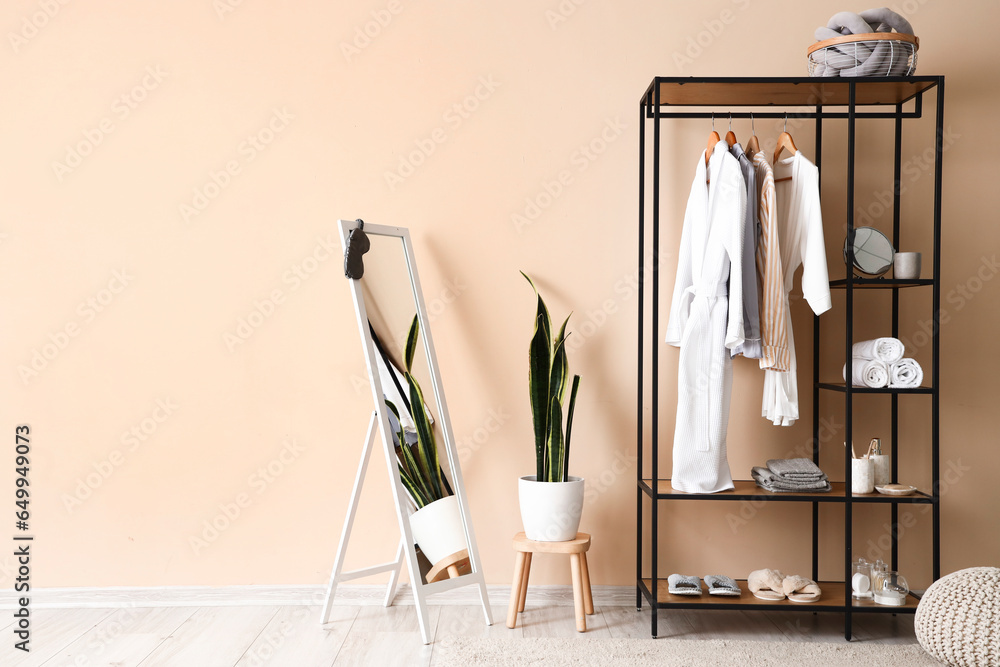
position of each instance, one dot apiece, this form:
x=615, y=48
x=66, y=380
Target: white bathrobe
x=710, y=256
x=800, y=230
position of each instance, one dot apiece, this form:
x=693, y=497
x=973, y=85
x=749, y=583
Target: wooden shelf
x=842, y=387
x=881, y=283
x=831, y=600
x=748, y=490
x=789, y=91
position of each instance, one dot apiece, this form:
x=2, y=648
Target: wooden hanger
x=753, y=146
x=713, y=138
x=784, y=143
x=730, y=135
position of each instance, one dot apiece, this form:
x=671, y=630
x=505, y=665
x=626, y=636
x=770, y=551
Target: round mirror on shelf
x=873, y=251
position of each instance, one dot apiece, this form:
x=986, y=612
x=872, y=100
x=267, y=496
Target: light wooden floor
x=375, y=635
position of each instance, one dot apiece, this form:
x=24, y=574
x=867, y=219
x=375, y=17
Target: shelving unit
x=818, y=99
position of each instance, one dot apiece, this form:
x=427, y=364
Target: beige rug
x=463, y=652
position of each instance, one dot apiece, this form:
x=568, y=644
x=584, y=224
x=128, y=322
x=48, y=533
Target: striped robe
x=771, y=278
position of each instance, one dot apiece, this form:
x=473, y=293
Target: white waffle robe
x=800, y=230
x=706, y=322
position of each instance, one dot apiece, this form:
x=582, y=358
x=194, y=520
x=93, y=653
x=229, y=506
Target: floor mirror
x=410, y=416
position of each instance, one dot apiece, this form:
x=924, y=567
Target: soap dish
x=895, y=489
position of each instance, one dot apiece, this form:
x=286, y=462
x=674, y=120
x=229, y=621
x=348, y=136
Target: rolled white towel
x=905, y=374
x=889, y=350
x=871, y=373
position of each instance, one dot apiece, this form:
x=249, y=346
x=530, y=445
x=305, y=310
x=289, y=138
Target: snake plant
x=419, y=468
x=548, y=370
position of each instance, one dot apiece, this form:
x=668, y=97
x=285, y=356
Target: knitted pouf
x=958, y=618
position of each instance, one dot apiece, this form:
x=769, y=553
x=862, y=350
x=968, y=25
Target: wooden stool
x=577, y=550
x=454, y=566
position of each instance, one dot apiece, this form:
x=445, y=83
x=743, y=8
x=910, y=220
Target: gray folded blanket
x=802, y=470
x=857, y=59
x=769, y=481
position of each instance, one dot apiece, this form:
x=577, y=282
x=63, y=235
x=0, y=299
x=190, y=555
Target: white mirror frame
x=403, y=504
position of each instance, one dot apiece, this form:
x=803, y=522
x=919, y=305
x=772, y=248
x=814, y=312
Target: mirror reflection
x=408, y=391
x=873, y=251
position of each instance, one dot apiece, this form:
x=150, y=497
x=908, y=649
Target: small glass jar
x=861, y=579
x=891, y=588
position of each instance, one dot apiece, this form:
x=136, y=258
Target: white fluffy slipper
x=800, y=589
x=766, y=584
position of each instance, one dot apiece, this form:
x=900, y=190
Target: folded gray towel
x=771, y=482
x=795, y=469
x=802, y=478
x=769, y=476
x=800, y=475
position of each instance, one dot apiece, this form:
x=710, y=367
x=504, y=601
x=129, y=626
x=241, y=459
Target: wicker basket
x=870, y=54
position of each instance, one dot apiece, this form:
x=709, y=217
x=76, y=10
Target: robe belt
x=710, y=292
x=687, y=299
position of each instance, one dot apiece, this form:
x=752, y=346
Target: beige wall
x=174, y=277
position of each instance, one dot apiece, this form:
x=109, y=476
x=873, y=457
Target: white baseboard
x=240, y=596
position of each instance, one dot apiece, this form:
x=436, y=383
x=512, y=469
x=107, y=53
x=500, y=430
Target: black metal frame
x=652, y=107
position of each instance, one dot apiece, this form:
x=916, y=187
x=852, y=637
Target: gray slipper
x=722, y=585
x=679, y=584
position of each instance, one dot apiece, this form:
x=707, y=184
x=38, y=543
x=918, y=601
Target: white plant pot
x=550, y=511
x=438, y=529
